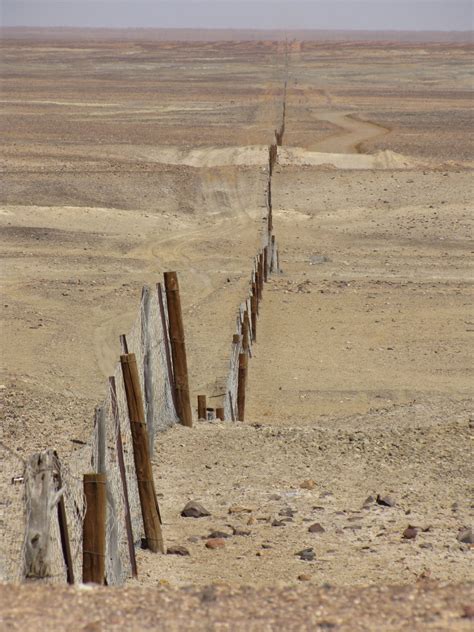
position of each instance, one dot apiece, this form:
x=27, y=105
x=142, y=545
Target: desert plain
x=124, y=157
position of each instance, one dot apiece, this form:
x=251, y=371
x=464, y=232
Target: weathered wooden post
x=146, y=484
x=93, y=529
x=169, y=360
x=42, y=497
x=178, y=348
x=261, y=274
x=242, y=383
x=246, y=332
x=220, y=414
x=62, y=520
x=123, y=343
x=202, y=407
x=273, y=255
x=123, y=478
x=254, y=311
x=265, y=264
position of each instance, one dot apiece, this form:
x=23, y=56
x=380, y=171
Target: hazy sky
x=258, y=14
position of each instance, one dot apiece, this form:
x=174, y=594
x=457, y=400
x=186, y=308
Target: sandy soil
x=361, y=377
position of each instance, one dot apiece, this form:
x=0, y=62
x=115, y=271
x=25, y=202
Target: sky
x=244, y=14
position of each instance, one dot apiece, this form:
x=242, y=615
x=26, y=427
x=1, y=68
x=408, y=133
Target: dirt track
x=360, y=380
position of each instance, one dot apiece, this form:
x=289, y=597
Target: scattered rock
x=275, y=497
x=410, y=533
x=177, y=550
x=368, y=501
x=316, y=528
x=307, y=555
x=194, y=510
x=467, y=612
x=278, y=523
x=240, y=532
x=308, y=484
x=287, y=511
x=466, y=536
x=266, y=546
x=215, y=543
x=218, y=535
x=193, y=539
x=304, y=577
x=385, y=501
x=237, y=509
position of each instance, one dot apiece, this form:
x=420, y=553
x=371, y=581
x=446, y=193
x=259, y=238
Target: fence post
x=93, y=534
x=254, y=311
x=178, y=348
x=147, y=366
x=202, y=407
x=220, y=414
x=265, y=264
x=169, y=360
x=243, y=364
x=63, y=530
x=123, y=478
x=261, y=275
x=123, y=343
x=246, y=332
x=146, y=485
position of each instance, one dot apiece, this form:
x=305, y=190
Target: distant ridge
x=209, y=35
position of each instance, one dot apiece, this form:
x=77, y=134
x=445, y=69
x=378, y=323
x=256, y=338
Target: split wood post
x=178, y=348
x=220, y=414
x=231, y=402
x=254, y=311
x=62, y=520
x=41, y=499
x=123, y=478
x=242, y=383
x=146, y=485
x=258, y=290
x=265, y=264
x=169, y=360
x=99, y=427
x=261, y=275
x=93, y=529
x=272, y=260
x=147, y=366
x=202, y=407
x=236, y=339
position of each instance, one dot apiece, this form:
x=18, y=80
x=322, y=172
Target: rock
x=308, y=484
x=215, y=543
x=193, y=539
x=266, y=546
x=466, y=536
x=307, y=555
x=275, y=497
x=316, y=528
x=251, y=520
x=278, y=523
x=410, y=533
x=240, y=532
x=385, y=501
x=287, y=511
x=304, y=577
x=468, y=612
x=237, y=509
x=368, y=501
x=194, y=510
x=177, y=550
x=218, y=535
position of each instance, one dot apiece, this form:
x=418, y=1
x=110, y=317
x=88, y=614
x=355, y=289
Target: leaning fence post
x=93, y=529
x=123, y=477
x=62, y=520
x=146, y=485
x=178, y=348
x=242, y=383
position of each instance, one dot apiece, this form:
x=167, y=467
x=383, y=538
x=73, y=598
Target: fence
x=83, y=519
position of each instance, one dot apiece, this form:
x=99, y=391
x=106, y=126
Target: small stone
x=240, y=532
x=368, y=501
x=316, y=528
x=385, y=501
x=217, y=535
x=308, y=484
x=307, y=555
x=251, y=520
x=194, y=510
x=287, y=511
x=215, y=543
x=304, y=577
x=275, y=497
x=177, y=550
x=466, y=536
x=467, y=612
x=266, y=546
x=237, y=509
x=193, y=539
x=410, y=533
x=278, y=523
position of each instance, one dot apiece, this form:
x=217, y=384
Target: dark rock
x=287, y=511
x=267, y=546
x=368, y=501
x=278, y=523
x=218, y=534
x=307, y=555
x=385, y=501
x=410, y=533
x=241, y=532
x=466, y=536
x=194, y=510
x=316, y=528
x=208, y=594
x=177, y=550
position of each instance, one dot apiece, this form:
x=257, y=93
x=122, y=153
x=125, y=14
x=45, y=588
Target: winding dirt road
x=353, y=132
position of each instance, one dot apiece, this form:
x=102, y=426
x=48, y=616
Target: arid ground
x=123, y=158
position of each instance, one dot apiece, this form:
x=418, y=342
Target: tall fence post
x=93, y=534
x=178, y=348
x=166, y=339
x=242, y=384
x=146, y=485
x=254, y=311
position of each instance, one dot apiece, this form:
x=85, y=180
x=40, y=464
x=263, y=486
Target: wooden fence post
x=254, y=311
x=273, y=257
x=261, y=275
x=265, y=264
x=93, y=529
x=178, y=348
x=202, y=407
x=41, y=498
x=246, y=332
x=243, y=364
x=169, y=360
x=62, y=520
x=220, y=414
x=123, y=343
x=146, y=485
x=123, y=478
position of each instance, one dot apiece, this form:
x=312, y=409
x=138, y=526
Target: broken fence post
x=202, y=406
